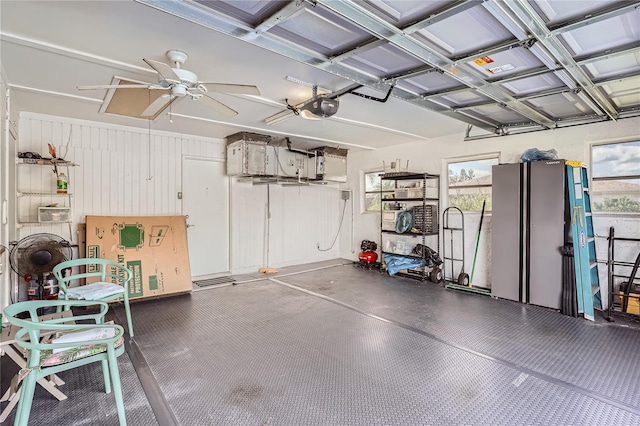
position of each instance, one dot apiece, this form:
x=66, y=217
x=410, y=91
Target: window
x=616, y=177
x=470, y=184
x=372, y=184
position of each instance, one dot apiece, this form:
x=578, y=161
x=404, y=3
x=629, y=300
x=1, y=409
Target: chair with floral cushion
x=113, y=282
x=69, y=346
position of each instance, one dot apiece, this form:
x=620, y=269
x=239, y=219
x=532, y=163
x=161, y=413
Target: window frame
x=365, y=192
x=466, y=159
x=593, y=178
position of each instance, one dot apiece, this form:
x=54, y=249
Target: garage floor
x=330, y=343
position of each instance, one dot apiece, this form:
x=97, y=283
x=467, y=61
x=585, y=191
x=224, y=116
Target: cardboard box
x=154, y=248
x=633, y=304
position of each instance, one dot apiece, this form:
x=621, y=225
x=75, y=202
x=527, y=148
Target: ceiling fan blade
x=218, y=106
x=163, y=69
x=155, y=107
x=232, y=88
x=120, y=86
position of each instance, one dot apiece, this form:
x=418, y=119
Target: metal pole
x=475, y=254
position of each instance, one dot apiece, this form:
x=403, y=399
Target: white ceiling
x=48, y=48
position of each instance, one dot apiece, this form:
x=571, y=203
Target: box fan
x=34, y=257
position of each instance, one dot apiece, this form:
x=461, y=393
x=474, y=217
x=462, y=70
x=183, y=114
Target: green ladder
x=584, y=245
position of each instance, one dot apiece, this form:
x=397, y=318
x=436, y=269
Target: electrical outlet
x=345, y=195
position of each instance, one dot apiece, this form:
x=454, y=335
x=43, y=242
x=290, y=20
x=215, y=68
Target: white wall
x=8, y=135
x=121, y=172
x=4, y=197
x=301, y=218
x=571, y=143
x=116, y=164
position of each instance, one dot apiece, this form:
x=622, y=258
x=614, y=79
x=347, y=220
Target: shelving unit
x=420, y=193
x=622, y=272
x=37, y=195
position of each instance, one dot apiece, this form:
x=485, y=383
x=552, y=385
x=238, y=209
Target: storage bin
x=408, y=192
x=54, y=214
x=388, y=225
x=399, y=244
x=391, y=215
x=426, y=220
x=397, y=166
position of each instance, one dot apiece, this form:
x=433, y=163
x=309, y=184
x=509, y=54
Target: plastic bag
x=404, y=222
x=431, y=257
x=534, y=154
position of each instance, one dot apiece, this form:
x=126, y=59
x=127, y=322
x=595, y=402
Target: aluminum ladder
x=584, y=245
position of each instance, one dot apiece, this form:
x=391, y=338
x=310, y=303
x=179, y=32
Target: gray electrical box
x=284, y=163
x=247, y=154
x=253, y=154
x=331, y=164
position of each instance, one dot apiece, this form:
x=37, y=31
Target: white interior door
x=205, y=199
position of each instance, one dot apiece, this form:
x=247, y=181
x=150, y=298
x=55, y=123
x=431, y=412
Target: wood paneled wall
x=126, y=171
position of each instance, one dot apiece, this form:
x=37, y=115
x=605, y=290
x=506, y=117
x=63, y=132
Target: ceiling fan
x=180, y=83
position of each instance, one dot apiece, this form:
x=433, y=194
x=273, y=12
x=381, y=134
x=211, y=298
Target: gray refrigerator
x=527, y=232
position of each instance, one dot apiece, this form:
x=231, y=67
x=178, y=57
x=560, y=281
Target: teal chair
x=46, y=357
x=113, y=282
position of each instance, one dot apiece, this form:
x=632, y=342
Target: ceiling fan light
x=179, y=90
